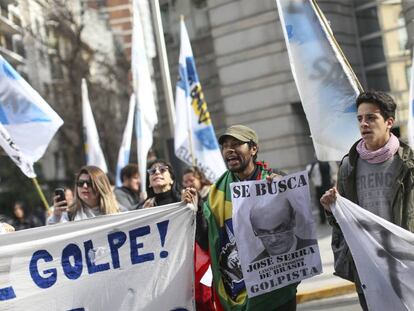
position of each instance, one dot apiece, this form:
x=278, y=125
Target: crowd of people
x=378, y=152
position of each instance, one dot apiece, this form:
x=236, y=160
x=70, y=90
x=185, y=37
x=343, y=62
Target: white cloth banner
x=383, y=255
x=28, y=122
x=275, y=232
x=93, y=151
x=193, y=117
x=125, y=149
x=146, y=113
x=139, y=260
x=326, y=84
x=410, y=117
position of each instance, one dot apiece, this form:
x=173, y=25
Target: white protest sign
x=129, y=261
x=275, y=232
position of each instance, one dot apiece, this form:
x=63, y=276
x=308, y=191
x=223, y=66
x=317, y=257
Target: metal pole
x=165, y=70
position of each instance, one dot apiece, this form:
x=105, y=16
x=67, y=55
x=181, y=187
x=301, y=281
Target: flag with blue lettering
x=410, y=118
x=194, y=133
x=326, y=83
x=27, y=122
x=383, y=255
x=125, y=149
x=146, y=113
x=140, y=260
x=93, y=151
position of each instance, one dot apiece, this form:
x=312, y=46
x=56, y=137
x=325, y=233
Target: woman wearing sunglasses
x=162, y=187
x=93, y=197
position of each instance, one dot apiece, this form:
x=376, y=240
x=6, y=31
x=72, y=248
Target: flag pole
x=40, y=192
x=163, y=59
x=190, y=132
x=333, y=40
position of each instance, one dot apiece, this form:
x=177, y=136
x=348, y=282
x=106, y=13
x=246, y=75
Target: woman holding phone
x=93, y=197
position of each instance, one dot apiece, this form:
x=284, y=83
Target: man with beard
x=239, y=145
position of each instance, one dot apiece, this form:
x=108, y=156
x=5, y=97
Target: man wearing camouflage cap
x=239, y=145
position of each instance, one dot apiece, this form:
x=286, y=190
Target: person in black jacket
x=162, y=187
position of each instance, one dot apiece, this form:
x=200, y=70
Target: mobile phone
x=61, y=193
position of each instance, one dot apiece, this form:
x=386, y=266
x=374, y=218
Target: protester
x=21, y=220
x=377, y=174
x=93, y=197
x=162, y=187
x=195, y=178
x=323, y=176
x=128, y=196
x=239, y=149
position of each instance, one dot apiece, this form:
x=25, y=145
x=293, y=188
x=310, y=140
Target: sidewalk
x=326, y=284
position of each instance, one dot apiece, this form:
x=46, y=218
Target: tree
x=73, y=56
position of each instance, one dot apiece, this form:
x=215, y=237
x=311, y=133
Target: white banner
x=410, y=117
x=125, y=149
x=275, y=232
x=28, y=122
x=383, y=254
x=93, y=151
x=146, y=113
x=139, y=260
x=194, y=133
x=326, y=84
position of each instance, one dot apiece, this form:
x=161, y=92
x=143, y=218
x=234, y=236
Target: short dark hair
x=383, y=100
x=251, y=145
x=129, y=171
x=175, y=186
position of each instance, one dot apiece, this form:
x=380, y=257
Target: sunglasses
x=81, y=182
x=161, y=169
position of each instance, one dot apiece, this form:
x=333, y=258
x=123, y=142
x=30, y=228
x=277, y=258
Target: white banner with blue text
x=139, y=260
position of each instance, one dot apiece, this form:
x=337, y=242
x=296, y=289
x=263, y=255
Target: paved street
x=340, y=303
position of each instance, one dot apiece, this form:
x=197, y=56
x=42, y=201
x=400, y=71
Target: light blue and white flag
x=410, y=119
x=93, y=151
x=125, y=149
x=28, y=123
x=326, y=83
x=195, y=142
x=146, y=113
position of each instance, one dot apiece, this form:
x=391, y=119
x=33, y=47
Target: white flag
x=134, y=261
x=194, y=132
x=146, y=113
x=28, y=123
x=326, y=84
x=410, y=119
x=125, y=149
x=93, y=151
x=383, y=255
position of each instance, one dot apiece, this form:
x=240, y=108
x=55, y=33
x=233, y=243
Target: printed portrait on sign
x=275, y=226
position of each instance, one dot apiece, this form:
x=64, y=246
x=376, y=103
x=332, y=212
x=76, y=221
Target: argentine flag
x=326, y=83
x=146, y=113
x=93, y=151
x=125, y=149
x=27, y=122
x=195, y=142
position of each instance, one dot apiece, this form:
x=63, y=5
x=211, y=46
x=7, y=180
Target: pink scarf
x=380, y=155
